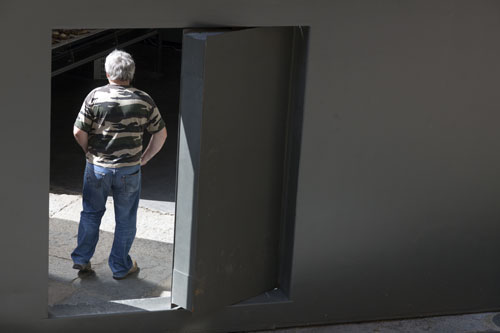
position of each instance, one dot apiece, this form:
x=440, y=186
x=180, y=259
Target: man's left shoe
x=83, y=267
x=133, y=270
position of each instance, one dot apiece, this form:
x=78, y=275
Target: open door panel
x=234, y=105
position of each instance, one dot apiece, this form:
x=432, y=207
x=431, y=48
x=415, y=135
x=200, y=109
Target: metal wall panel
x=397, y=202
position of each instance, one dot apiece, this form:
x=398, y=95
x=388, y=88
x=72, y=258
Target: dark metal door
x=234, y=104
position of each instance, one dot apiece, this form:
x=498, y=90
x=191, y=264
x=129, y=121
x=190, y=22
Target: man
x=110, y=128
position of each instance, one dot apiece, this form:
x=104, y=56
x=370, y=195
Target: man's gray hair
x=120, y=66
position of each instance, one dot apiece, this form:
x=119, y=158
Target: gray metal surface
x=294, y=135
x=192, y=87
x=236, y=186
x=397, y=198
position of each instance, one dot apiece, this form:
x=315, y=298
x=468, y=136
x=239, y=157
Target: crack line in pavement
x=52, y=255
x=156, y=211
x=65, y=206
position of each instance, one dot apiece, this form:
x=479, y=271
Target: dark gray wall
x=397, y=204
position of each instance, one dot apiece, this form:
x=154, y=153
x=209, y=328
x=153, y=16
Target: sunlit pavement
x=70, y=294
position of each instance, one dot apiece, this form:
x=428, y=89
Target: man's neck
x=119, y=83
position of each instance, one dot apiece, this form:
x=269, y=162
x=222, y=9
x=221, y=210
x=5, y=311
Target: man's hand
x=82, y=138
x=155, y=143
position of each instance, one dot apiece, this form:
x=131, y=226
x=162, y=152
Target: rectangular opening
x=77, y=68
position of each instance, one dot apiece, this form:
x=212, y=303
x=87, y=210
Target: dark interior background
x=158, y=74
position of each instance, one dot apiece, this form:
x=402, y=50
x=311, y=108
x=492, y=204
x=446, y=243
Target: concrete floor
x=71, y=294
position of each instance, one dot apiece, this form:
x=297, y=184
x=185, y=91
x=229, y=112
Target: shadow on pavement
x=70, y=294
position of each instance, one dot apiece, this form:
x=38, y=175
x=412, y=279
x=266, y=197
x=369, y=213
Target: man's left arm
x=82, y=138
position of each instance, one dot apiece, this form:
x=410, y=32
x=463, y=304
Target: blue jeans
x=125, y=183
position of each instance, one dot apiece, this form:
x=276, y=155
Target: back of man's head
x=120, y=66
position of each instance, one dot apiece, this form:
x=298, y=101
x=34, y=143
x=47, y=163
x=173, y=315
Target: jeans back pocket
x=94, y=178
x=132, y=182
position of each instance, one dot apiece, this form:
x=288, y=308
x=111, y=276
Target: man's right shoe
x=134, y=269
x=83, y=267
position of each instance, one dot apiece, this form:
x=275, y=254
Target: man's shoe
x=134, y=269
x=83, y=267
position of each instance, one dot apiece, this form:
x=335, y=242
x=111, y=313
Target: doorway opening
x=77, y=68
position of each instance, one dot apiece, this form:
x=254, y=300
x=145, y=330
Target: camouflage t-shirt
x=115, y=117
